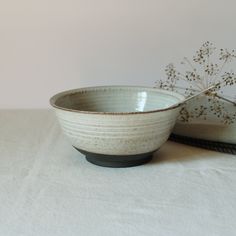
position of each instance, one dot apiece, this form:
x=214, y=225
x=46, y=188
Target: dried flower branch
x=196, y=80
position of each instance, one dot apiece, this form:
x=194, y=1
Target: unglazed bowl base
x=117, y=161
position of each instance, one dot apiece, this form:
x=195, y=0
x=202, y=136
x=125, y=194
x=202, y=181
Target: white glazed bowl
x=117, y=121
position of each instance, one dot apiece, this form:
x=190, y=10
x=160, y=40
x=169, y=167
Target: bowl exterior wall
x=118, y=134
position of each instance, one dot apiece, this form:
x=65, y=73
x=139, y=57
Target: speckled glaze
x=117, y=120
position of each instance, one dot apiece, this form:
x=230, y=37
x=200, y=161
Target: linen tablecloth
x=48, y=188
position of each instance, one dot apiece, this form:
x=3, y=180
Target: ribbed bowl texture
x=117, y=120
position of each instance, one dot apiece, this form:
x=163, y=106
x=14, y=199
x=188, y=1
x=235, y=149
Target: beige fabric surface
x=48, y=188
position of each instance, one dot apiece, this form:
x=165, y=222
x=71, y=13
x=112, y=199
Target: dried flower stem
x=219, y=72
x=190, y=64
x=225, y=99
x=181, y=76
x=192, y=89
x=205, y=74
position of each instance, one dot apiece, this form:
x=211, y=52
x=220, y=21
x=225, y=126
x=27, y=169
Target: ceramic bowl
x=117, y=126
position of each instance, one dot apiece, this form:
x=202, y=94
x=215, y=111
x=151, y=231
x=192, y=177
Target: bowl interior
x=115, y=99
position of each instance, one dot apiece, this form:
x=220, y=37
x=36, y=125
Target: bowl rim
x=54, y=98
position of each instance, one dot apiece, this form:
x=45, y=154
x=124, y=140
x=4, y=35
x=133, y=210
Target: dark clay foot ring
x=117, y=161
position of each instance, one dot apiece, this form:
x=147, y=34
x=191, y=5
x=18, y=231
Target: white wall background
x=51, y=45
